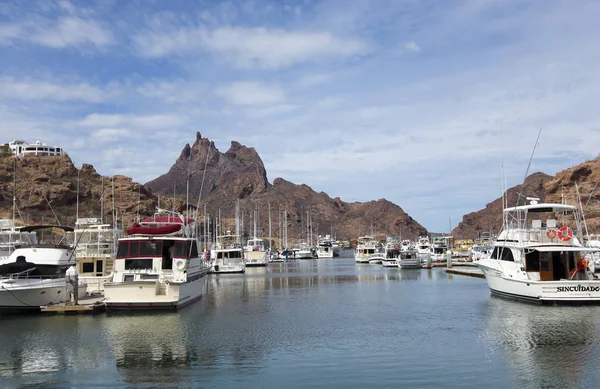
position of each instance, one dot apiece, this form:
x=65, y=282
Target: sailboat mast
x=14, y=210
x=270, y=244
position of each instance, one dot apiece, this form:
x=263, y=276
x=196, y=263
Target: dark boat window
x=122, y=251
x=219, y=255
x=545, y=261
x=532, y=261
x=507, y=255
x=150, y=248
x=141, y=263
x=181, y=249
x=149, y=276
x=99, y=266
x=167, y=254
x=128, y=277
x=87, y=267
x=134, y=249
x=194, y=250
x=495, y=254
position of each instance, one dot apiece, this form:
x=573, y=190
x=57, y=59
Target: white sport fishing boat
x=325, y=247
x=423, y=249
x=365, y=248
x=34, y=274
x=228, y=256
x=392, y=252
x=158, y=266
x=538, y=257
x=304, y=252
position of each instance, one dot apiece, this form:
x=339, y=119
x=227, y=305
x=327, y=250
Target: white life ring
x=180, y=264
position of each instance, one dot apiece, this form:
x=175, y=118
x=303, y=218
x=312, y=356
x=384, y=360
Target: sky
x=425, y=103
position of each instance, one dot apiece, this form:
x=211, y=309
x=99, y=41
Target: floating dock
x=465, y=272
x=86, y=305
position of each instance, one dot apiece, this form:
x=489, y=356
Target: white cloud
x=60, y=33
x=157, y=121
x=250, y=47
x=29, y=89
x=412, y=46
x=251, y=93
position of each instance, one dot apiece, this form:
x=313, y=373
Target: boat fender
x=551, y=233
x=180, y=264
x=565, y=234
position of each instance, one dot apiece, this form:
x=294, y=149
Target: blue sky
x=414, y=101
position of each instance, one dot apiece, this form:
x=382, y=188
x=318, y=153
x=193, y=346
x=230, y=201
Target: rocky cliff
x=489, y=219
x=46, y=190
x=587, y=177
x=239, y=173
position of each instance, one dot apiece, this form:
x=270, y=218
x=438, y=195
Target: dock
x=465, y=272
x=86, y=305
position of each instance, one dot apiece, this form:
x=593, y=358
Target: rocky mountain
x=46, y=190
x=587, y=177
x=239, y=173
x=489, y=219
x=550, y=189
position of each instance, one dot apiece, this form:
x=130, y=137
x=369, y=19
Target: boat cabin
x=143, y=258
x=256, y=244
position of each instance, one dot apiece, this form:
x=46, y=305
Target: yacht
x=158, y=265
x=228, y=256
x=365, y=248
x=392, y=252
x=538, y=257
x=439, y=248
x=409, y=258
x=255, y=253
x=95, y=247
x=34, y=274
x=423, y=249
x=325, y=247
x=304, y=251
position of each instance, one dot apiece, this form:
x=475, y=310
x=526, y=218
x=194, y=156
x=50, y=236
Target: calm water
x=327, y=323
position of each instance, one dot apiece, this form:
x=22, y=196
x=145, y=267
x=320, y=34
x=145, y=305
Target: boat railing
x=26, y=274
x=541, y=235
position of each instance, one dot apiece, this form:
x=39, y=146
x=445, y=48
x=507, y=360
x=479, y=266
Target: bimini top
x=543, y=207
x=35, y=228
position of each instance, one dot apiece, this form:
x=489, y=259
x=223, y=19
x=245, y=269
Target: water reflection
x=545, y=346
x=148, y=348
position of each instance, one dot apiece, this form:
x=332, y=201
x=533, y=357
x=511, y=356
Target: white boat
x=423, y=249
x=158, y=266
x=537, y=257
x=377, y=258
x=255, y=253
x=409, y=263
x=438, y=249
x=304, y=251
x=365, y=248
x=392, y=252
x=34, y=274
x=325, y=247
x=228, y=256
x=95, y=248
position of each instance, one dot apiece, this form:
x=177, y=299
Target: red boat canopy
x=137, y=229
x=167, y=219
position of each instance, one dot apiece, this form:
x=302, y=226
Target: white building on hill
x=21, y=148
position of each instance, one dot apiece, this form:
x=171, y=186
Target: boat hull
x=218, y=269
x=17, y=297
x=256, y=258
x=390, y=263
x=409, y=264
x=140, y=295
x=563, y=291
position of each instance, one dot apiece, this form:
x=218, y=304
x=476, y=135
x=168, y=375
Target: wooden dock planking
x=466, y=272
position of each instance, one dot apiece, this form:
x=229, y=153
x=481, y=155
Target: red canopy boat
x=167, y=219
